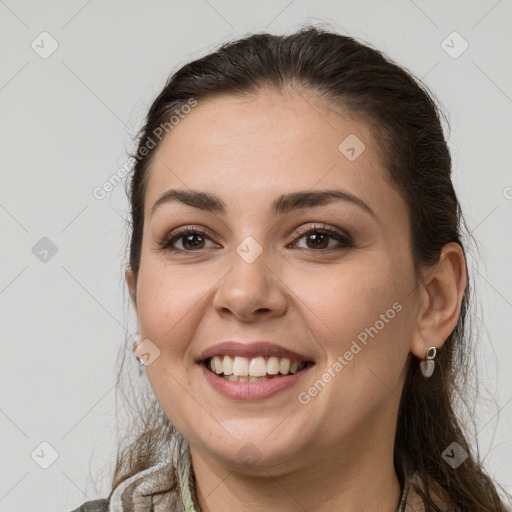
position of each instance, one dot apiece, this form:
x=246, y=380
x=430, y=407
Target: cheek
x=349, y=298
x=360, y=314
x=176, y=398
x=171, y=305
x=169, y=302
x=167, y=308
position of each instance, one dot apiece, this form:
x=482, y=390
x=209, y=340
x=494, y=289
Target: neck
x=352, y=481
x=353, y=474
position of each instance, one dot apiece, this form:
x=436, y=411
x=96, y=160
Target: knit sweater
x=169, y=487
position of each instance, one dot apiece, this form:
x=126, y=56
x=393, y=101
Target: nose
x=250, y=291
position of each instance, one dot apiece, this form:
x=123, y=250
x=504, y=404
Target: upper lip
x=250, y=350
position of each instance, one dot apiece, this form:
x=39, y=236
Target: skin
x=335, y=452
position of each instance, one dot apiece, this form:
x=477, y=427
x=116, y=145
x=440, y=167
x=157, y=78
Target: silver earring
x=427, y=366
x=136, y=338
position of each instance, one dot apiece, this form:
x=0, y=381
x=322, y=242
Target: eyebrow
x=283, y=204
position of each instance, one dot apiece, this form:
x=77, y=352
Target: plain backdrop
x=76, y=79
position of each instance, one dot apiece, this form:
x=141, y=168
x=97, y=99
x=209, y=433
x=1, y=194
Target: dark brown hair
x=406, y=124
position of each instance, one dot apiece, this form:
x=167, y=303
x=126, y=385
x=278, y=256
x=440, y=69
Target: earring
x=428, y=365
x=136, y=341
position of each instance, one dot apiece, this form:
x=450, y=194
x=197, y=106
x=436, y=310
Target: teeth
x=243, y=369
x=273, y=365
x=235, y=378
x=216, y=365
x=241, y=366
x=284, y=366
x=227, y=366
x=258, y=367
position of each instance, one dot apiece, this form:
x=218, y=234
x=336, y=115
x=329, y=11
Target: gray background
x=66, y=122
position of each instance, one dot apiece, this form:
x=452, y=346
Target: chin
x=253, y=452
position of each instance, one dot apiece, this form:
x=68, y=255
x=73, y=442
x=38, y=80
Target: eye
x=317, y=237
x=191, y=238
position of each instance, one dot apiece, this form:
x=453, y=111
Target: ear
x=132, y=286
x=440, y=298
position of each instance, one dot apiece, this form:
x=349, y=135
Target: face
x=325, y=284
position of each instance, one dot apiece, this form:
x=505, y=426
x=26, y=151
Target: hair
x=405, y=122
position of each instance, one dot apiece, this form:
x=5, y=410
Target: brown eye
x=190, y=239
x=318, y=239
x=194, y=241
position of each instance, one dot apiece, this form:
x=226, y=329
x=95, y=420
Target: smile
x=254, y=369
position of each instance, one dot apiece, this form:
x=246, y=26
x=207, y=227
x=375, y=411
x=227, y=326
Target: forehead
x=251, y=149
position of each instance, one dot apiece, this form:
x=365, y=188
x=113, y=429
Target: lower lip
x=252, y=390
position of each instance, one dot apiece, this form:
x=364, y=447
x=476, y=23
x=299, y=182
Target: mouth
x=255, y=369
x=252, y=371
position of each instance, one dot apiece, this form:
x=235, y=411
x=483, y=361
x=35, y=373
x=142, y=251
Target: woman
x=300, y=283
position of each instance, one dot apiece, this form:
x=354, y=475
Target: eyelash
x=166, y=243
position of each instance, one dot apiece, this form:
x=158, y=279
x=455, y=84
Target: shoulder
x=101, y=505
